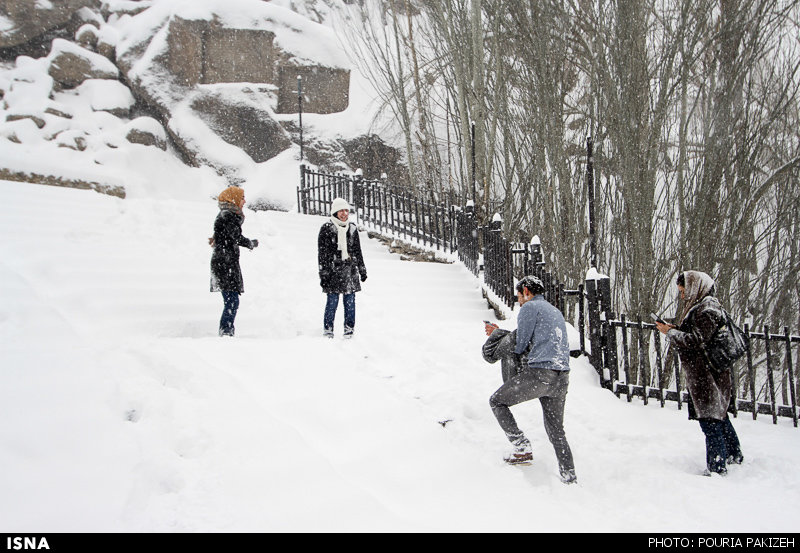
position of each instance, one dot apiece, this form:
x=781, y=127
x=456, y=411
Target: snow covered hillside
x=123, y=410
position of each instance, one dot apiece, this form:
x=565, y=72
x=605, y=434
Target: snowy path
x=125, y=411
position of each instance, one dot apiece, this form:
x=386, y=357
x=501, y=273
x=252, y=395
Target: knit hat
x=232, y=194
x=338, y=205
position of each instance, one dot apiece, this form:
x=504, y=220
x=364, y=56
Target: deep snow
x=125, y=412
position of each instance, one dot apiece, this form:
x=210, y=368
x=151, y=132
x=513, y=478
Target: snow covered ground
x=124, y=412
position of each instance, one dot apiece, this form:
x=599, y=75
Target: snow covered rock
x=72, y=139
x=146, y=131
x=107, y=42
x=32, y=116
x=205, y=52
x=107, y=95
x=24, y=20
x=86, y=36
x=119, y=8
x=70, y=64
x=242, y=123
x=88, y=16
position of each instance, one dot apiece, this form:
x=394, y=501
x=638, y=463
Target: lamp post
x=300, y=111
x=590, y=187
x=472, y=148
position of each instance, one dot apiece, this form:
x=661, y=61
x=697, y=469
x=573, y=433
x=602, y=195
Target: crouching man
x=541, y=373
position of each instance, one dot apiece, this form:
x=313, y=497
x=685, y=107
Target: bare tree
x=692, y=105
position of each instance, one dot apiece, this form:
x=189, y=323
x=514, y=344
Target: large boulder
x=324, y=89
x=242, y=124
x=23, y=20
x=204, y=52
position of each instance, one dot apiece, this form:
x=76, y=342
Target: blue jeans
x=349, y=312
x=231, y=300
x=721, y=443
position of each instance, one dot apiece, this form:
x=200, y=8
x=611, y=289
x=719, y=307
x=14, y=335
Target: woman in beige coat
x=709, y=391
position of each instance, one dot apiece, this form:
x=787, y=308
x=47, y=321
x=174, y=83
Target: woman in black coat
x=709, y=390
x=226, y=274
x=341, y=266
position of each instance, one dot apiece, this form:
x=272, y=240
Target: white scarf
x=341, y=228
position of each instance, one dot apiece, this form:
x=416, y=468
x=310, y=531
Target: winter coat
x=499, y=346
x=337, y=276
x=710, y=393
x=225, y=271
x=541, y=327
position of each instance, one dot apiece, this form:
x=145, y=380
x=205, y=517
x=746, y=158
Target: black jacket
x=337, y=276
x=225, y=271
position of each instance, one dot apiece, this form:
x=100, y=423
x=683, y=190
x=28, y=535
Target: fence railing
x=407, y=217
x=385, y=208
x=635, y=361
x=630, y=356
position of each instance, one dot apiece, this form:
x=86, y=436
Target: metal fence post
x=595, y=355
x=302, y=206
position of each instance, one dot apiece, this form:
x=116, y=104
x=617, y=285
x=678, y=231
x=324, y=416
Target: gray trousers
x=551, y=389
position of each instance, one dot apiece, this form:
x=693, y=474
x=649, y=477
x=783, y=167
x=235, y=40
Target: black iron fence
x=630, y=356
x=634, y=360
x=385, y=208
x=409, y=217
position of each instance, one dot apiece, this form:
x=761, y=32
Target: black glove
x=253, y=243
x=322, y=278
x=363, y=277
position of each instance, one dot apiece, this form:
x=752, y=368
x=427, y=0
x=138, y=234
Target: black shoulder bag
x=727, y=345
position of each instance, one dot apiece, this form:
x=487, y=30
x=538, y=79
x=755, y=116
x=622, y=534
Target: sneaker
x=521, y=454
x=328, y=333
x=568, y=476
x=348, y=332
x=722, y=472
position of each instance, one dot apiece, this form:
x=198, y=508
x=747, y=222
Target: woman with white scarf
x=341, y=266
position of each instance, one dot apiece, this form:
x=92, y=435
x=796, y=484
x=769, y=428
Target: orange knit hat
x=232, y=194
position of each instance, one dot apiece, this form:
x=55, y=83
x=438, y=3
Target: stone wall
x=238, y=55
x=184, y=57
x=325, y=89
x=204, y=52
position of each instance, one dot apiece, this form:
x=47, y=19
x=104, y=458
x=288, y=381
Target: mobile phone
x=657, y=318
x=488, y=323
